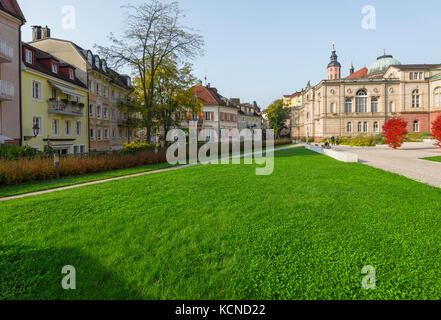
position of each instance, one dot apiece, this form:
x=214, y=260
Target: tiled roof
x=360, y=74
x=293, y=95
x=209, y=96
x=12, y=7
x=42, y=68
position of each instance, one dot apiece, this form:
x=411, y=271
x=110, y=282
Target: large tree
x=277, y=116
x=152, y=33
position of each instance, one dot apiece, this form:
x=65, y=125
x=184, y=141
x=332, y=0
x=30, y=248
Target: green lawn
x=221, y=232
x=436, y=159
x=12, y=190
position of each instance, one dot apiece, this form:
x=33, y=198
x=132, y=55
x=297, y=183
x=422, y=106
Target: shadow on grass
x=35, y=274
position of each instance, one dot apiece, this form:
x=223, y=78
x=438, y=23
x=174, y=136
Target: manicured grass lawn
x=221, y=232
x=436, y=159
x=12, y=190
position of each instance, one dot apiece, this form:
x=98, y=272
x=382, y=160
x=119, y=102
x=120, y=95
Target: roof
x=12, y=7
x=209, y=96
x=417, y=66
x=382, y=64
x=360, y=74
x=293, y=95
x=42, y=68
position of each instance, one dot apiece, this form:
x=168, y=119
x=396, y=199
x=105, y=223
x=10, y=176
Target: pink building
x=11, y=20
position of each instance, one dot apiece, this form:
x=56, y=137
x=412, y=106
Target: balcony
x=6, y=52
x=6, y=90
x=65, y=108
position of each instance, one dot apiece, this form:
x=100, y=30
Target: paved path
x=406, y=161
x=133, y=175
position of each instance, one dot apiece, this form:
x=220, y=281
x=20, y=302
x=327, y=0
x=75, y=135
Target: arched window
x=365, y=127
x=333, y=108
x=348, y=106
x=374, y=105
x=376, y=127
x=361, y=101
x=360, y=127
x=349, y=127
x=437, y=97
x=416, y=126
x=415, y=98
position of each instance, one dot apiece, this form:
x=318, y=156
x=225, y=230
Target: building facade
x=54, y=108
x=361, y=103
x=249, y=116
x=105, y=133
x=11, y=20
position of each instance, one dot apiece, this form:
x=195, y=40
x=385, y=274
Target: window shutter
x=212, y=116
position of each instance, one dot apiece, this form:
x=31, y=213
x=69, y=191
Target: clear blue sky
x=260, y=49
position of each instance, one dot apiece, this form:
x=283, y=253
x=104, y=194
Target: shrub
x=42, y=168
x=14, y=152
x=395, y=132
x=436, y=131
x=361, y=141
x=137, y=146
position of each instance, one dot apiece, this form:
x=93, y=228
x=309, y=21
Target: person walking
x=333, y=140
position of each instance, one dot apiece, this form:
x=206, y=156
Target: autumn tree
x=153, y=32
x=395, y=131
x=277, y=117
x=436, y=131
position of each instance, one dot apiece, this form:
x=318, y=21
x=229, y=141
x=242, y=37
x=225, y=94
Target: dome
x=382, y=64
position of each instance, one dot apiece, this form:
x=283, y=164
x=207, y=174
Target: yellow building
x=293, y=100
x=54, y=108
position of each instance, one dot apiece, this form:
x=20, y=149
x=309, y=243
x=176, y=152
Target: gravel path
x=406, y=161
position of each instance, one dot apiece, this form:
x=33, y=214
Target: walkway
x=406, y=161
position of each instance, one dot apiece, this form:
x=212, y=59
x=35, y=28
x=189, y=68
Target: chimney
x=209, y=85
x=45, y=32
x=36, y=33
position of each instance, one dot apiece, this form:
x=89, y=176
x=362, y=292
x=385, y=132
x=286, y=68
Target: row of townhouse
x=54, y=93
x=220, y=113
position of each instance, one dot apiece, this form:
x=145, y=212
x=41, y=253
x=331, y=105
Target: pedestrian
x=333, y=140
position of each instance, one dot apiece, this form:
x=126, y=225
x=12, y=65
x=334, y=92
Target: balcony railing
x=6, y=52
x=6, y=90
x=65, y=108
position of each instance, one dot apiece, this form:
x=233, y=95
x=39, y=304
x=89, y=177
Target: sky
x=259, y=50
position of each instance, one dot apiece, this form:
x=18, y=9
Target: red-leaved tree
x=395, y=131
x=436, y=131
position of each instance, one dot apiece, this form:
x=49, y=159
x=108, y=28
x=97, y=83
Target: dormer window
x=97, y=62
x=104, y=65
x=90, y=58
x=71, y=74
x=55, y=67
x=29, y=56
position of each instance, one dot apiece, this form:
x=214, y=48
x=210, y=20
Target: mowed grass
x=436, y=159
x=221, y=232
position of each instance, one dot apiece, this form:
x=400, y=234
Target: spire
x=352, y=70
x=334, y=67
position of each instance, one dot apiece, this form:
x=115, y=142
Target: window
x=71, y=74
x=374, y=105
x=415, y=98
x=98, y=112
x=90, y=57
x=365, y=127
x=113, y=133
x=421, y=76
x=349, y=127
x=392, y=106
x=361, y=102
x=83, y=149
x=416, y=126
x=105, y=91
x=411, y=76
x=437, y=98
x=97, y=62
x=92, y=134
x=91, y=86
x=106, y=134
x=376, y=127
x=67, y=127
x=113, y=114
x=348, y=106
x=29, y=56
x=36, y=90
x=54, y=67
x=105, y=113
x=55, y=127
x=208, y=116
x=37, y=122
x=333, y=108
x=99, y=136
x=415, y=76
x=76, y=149
x=78, y=127
x=91, y=111
x=360, y=127
x=98, y=89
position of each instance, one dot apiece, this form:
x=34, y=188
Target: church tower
x=334, y=67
